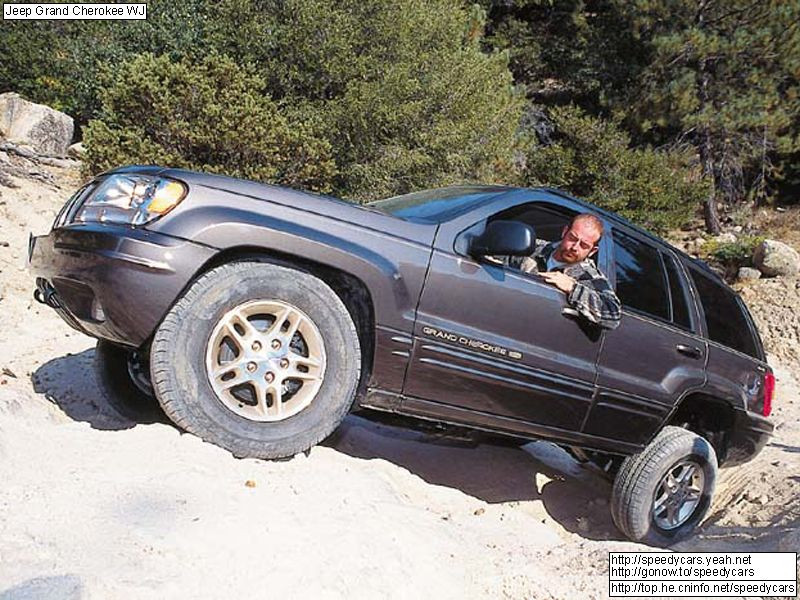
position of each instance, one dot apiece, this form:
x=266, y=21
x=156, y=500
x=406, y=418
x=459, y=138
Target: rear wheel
x=661, y=494
x=261, y=359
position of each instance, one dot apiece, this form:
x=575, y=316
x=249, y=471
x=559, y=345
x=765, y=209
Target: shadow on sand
x=69, y=382
x=574, y=495
x=64, y=587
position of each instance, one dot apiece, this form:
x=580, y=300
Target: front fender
x=390, y=264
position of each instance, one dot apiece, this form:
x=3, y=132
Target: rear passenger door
x=656, y=354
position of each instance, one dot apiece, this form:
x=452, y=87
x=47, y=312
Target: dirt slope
x=94, y=506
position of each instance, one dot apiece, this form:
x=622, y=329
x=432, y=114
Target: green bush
x=213, y=116
x=379, y=97
x=61, y=63
x=592, y=159
x=400, y=88
x=731, y=255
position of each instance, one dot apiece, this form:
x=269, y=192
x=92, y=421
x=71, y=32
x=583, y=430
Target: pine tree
x=724, y=77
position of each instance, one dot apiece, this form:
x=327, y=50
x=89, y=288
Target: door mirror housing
x=504, y=238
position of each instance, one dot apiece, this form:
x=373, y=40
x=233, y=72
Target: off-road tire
x=178, y=354
x=113, y=376
x=640, y=475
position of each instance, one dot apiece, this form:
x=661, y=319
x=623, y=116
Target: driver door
x=492, y=339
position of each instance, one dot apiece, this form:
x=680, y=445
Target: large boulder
x=775, y=258
x=44, y=129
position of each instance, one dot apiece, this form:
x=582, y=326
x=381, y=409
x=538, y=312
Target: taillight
x=769, y=392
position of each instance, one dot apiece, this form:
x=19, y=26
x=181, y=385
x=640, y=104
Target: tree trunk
x=710, y=212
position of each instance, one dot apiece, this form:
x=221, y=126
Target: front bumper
x=113, y=282
x=749, y=434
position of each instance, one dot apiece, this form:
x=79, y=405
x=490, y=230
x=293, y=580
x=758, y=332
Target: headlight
x=130, y=199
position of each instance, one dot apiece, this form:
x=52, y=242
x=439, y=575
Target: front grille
x=71, y=207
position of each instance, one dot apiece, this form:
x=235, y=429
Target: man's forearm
x=597, y=302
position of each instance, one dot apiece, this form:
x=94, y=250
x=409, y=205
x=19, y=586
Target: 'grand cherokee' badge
x=471, y=343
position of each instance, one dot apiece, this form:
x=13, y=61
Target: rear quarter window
x=726, y=320
x=680, y=300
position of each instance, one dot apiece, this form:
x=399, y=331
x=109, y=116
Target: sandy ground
x=95, y=506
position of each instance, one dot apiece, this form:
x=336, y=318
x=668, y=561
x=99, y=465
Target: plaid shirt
x=592, y=297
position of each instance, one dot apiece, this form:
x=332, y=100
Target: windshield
x=435, y=206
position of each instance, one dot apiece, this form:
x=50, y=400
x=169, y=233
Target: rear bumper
x=750, y=433
x=112, y=282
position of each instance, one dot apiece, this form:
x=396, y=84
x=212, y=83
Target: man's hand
x=562, y=281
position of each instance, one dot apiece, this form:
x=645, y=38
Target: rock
x=748, y=274
x=76, y=151
x=46, y=130
x=24, y=151
x=64, y=163
x=775, y=258
x=726, y=238
x=738, y=229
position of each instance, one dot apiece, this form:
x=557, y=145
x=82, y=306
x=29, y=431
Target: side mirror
x=504, y=238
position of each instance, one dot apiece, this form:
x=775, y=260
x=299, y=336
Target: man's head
x=579, y=239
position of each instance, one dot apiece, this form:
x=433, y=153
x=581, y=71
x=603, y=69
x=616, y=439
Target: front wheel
x=661, y=494
x=261, y=359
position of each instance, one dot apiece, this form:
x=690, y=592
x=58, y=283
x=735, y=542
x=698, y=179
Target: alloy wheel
x=678, y=494
x=265, y=360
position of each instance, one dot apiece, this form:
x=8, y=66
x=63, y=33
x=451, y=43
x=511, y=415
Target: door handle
x=691, y=351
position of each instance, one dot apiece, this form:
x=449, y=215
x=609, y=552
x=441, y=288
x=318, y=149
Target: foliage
x=568, y=51
x=400, y=88
x=406, y=94
x=724, y=76
x=63, y=63
x=213, y=116
x=592, y=158
x=731, y=255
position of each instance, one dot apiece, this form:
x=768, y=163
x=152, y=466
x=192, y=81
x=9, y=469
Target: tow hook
x=46, y=296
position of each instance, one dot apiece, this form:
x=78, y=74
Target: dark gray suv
x=258, y=316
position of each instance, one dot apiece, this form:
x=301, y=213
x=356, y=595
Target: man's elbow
x=612, y=315
x=610, y=323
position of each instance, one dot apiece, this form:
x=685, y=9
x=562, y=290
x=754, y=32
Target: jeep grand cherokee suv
x=258, y=316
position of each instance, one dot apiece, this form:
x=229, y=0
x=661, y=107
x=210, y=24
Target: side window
x=641, y=281
x=548, y=221
x=725, y=318
x=677, y=290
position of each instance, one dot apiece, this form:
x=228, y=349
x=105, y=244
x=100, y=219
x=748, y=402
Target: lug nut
x=256, y=346
x=270, y=377
x=284, y=363
x=276, y=344
x=251, y=366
